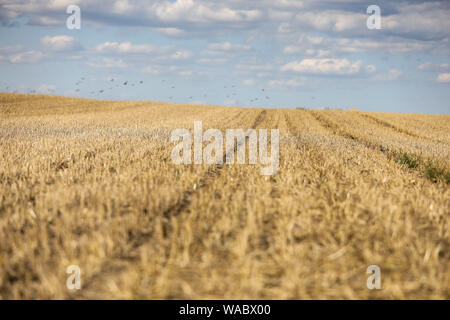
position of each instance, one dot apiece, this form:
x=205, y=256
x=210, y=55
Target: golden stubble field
x=91, y=183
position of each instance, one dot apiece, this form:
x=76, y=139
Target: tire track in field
x=206, y=180
x=393, y=127
x=388, y=153
x=138, y=240
x=417, y=218
x=337, y=130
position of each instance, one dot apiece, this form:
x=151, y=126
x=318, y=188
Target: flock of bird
x=229, y=91
x=114, y=83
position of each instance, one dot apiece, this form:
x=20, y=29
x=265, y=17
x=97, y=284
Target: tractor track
x=139, y=239
x=397, y=129
x=337, y=130
x=390, y=154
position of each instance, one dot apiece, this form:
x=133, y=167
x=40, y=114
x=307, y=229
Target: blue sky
x=255, y=53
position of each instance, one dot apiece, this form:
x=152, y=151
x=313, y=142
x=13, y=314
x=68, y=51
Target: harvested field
x=91, y=183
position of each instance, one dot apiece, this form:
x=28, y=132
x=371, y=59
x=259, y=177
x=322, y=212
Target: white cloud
x=60, y=43
x=201, y=11
x=324, y=66
x=443, y=78
x=212, y=61
x=27, y=57
x=227, y=46
x=332, y=20
x=391, y=75
x=46, y=88
x=181, y=55
x=128, y=47
x=424, y=20
x=293, y=83
x=428, y=66
x=185, y=73
x=251, y=67
x=152, y=70
x=108, y=63
x=335, y=46
x=171, y=32
x=370, y=68
x=249, y=82
x=11, y=49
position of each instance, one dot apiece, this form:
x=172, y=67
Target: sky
x=253, y=53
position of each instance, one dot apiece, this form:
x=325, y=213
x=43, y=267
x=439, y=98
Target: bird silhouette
x=125, y=83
